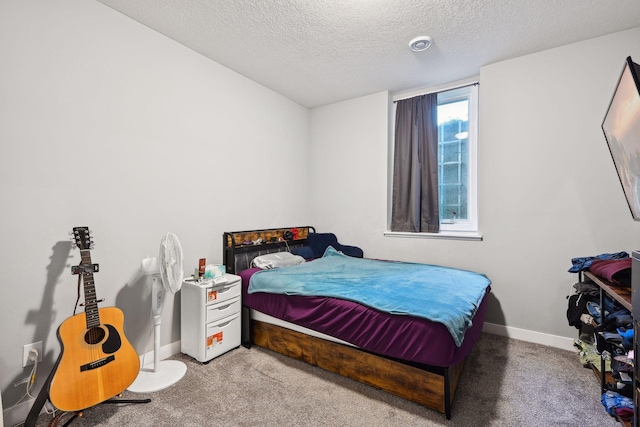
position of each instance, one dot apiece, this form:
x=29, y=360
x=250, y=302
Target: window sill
x=444, y=235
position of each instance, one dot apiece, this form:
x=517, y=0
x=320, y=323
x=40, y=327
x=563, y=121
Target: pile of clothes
x=614, y=267
x=606, y=332
x=618, y=405
x=615, y=323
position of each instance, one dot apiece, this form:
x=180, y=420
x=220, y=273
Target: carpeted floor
x=505, y=383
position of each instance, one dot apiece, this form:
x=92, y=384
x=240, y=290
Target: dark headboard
x=239, y=248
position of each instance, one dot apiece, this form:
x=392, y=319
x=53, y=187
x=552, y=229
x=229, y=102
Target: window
x=457, y=111
x=457, y=140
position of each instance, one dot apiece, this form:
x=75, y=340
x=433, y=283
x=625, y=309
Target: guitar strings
x=78, y=298
x=92, y=333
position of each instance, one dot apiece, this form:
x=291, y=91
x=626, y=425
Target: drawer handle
x=222, y=325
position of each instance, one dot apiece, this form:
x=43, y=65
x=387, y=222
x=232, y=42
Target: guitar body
x=96, y=363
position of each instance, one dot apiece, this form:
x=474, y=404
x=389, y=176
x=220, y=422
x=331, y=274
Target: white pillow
x=276, y=260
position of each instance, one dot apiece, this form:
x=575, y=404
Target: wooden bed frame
x=430, y=386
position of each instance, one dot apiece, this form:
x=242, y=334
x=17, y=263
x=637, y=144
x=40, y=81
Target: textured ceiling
x=317, y=52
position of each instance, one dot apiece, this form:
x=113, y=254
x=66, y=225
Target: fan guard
x=171, y=262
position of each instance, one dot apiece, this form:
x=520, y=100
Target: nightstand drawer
x=222, y=336
x=223, y=309
x=216, y=294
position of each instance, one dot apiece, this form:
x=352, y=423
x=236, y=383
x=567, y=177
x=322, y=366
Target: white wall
x=108, y=124
x=548, y=188
x=347, y=188
x=547, y=172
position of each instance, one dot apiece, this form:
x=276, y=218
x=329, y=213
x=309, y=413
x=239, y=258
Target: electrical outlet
x=25, y=353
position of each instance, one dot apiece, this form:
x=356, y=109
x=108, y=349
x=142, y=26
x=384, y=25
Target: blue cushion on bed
x=319, y=242
x=304, y=251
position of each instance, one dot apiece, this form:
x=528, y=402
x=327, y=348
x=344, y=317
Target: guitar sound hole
x=94, y=335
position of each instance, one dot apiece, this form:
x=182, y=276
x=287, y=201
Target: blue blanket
x=440, y=294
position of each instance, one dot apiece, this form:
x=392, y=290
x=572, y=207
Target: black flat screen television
x=621, y=127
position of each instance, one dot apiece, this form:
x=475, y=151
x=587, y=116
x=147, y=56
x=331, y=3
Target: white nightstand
x=210, y=317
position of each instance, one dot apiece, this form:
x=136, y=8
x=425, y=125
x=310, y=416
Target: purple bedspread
x=407, y=338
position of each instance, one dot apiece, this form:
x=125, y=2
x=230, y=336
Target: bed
x=409, y=356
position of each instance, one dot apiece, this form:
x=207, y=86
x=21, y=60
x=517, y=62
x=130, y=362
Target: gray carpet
x=505, y=383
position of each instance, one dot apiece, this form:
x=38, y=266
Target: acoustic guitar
x=97, y=362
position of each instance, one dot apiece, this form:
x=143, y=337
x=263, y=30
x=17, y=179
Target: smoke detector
x=420, y=43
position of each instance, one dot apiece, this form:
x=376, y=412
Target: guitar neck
x=90, y=300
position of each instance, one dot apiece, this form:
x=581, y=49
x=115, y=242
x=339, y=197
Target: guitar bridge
x=97, y=363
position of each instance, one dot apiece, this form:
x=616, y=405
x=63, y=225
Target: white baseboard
x=166, y=351
x=563, y=343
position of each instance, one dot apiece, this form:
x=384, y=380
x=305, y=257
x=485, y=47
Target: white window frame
x=454, y=229
x=471, y=223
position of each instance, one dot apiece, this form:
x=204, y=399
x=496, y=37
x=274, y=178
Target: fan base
x=167, y=374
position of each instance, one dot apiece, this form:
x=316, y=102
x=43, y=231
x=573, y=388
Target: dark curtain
x=415, y=166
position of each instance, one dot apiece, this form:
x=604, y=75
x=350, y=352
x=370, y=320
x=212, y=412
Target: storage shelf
x=608, y=378
x=621, y=294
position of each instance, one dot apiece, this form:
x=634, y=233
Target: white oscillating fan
x=167, y=272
